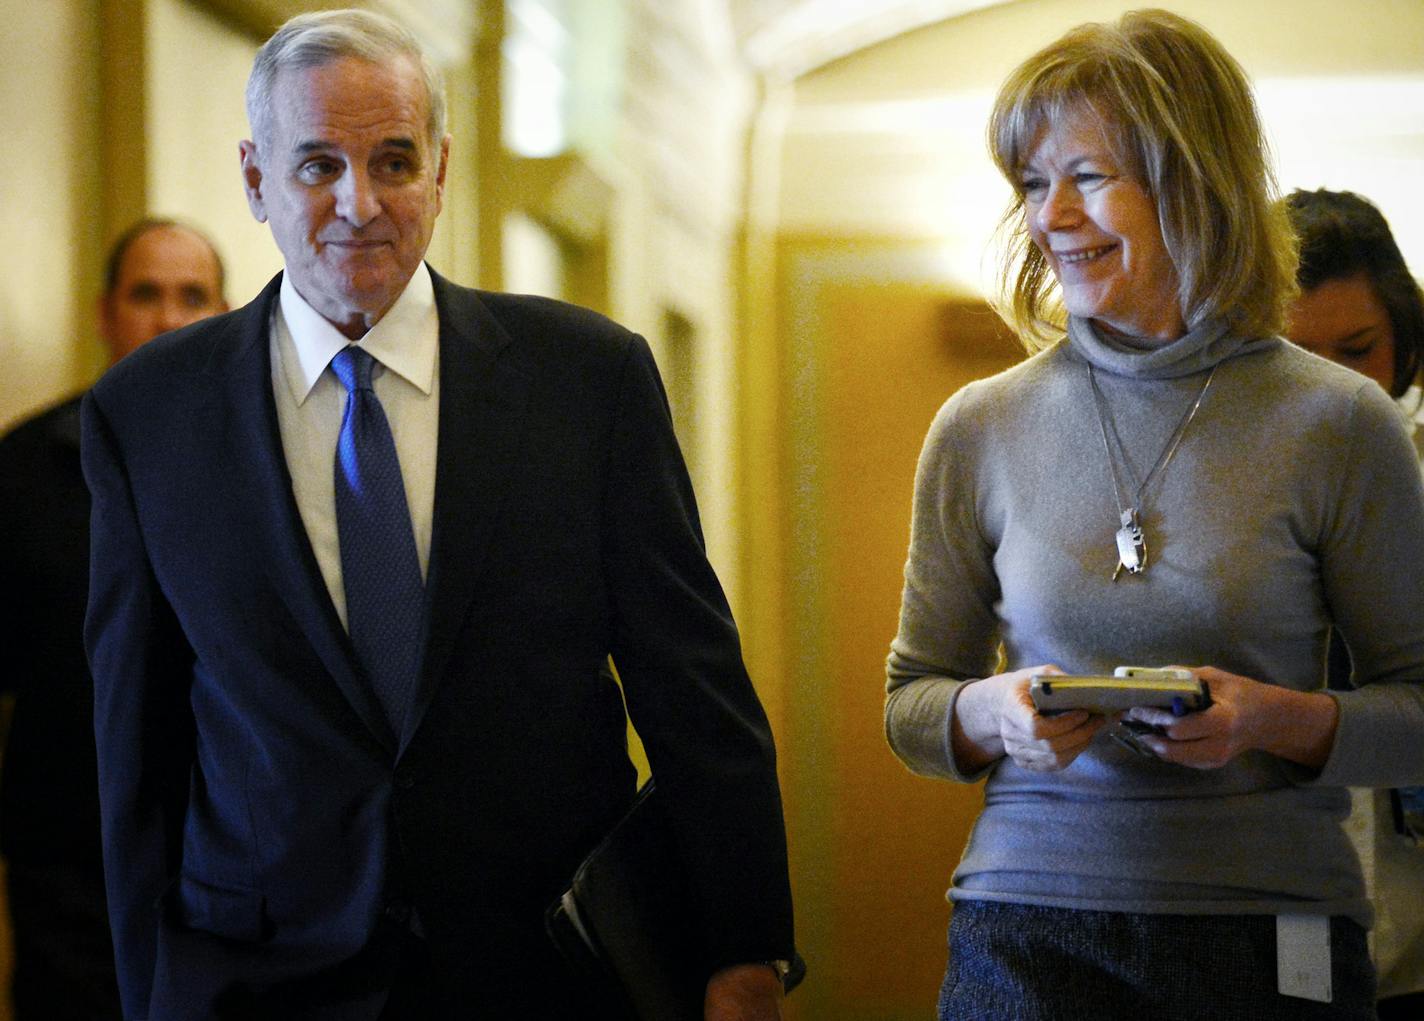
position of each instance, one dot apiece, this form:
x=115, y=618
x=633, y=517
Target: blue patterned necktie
x=380, y=569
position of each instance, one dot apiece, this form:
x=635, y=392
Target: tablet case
x=626, y=923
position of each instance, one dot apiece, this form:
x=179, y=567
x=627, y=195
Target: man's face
x=168, y=278
x=349, y=183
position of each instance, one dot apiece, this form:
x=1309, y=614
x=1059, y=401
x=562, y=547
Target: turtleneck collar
x=1194, y=351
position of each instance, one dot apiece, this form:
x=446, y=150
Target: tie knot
x=352, y=366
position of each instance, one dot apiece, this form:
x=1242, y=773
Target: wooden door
x=872, y=845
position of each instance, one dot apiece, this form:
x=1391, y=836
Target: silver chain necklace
x=1131, y=543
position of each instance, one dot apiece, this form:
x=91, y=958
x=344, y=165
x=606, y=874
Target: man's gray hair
x=311, y=40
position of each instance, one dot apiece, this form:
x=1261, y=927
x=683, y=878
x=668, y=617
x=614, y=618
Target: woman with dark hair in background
x=1165, y=482
x=1359, y=306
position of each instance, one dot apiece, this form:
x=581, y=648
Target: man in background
x=160, y=275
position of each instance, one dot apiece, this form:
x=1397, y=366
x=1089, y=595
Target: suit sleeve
x=143, y=725
x=11, y=499
x=677, y=651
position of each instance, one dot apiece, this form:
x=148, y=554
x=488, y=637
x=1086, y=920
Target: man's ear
x=104, y=315
x=440, y=174
x=252, y=179
x=108, y=329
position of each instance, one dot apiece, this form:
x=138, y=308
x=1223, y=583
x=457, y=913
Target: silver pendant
x=1131, y=546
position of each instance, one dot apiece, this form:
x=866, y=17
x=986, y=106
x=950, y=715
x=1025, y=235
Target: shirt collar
x=405, y=340
x=1412, y=405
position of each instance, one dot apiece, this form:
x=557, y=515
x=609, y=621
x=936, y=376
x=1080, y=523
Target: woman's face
x=1097, y=227
x=1344, y=320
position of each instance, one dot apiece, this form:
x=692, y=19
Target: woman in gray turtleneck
x=1266, y=496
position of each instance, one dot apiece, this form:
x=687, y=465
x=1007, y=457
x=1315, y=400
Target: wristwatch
x=789, y=972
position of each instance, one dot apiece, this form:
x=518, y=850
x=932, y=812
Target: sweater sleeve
x=948, y=632
x=1370, y=570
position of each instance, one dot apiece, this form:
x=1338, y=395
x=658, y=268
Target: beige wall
x=196, y=70
x=649, y=190
x=674, y=244
x=891, y=140
x=48, y=192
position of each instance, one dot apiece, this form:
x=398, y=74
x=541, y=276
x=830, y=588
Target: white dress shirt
x=311, y=402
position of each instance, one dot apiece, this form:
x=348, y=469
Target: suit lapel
x=270, y=523
x=484, y=393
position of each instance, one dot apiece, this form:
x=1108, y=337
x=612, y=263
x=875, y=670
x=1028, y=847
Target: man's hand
x=744, y=992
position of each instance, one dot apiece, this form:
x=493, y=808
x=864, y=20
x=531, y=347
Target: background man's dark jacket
x=49, y=798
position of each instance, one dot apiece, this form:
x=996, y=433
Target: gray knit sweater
x=1294, y=501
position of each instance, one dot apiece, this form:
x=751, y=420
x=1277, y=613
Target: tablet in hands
x=1173, y=689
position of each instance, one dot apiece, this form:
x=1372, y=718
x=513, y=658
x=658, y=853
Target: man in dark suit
x=161, y=275
x=362, y=551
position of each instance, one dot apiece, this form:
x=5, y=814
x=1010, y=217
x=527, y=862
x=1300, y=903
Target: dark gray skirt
x=1015, y=962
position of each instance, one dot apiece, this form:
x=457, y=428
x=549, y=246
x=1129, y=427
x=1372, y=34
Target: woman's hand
x=1244, y=714
x=996, y=717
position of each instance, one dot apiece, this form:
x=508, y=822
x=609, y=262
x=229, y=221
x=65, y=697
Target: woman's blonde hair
x=1179, y=112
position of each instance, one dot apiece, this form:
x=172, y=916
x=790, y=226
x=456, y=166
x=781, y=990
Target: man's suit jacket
x=261, y=821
